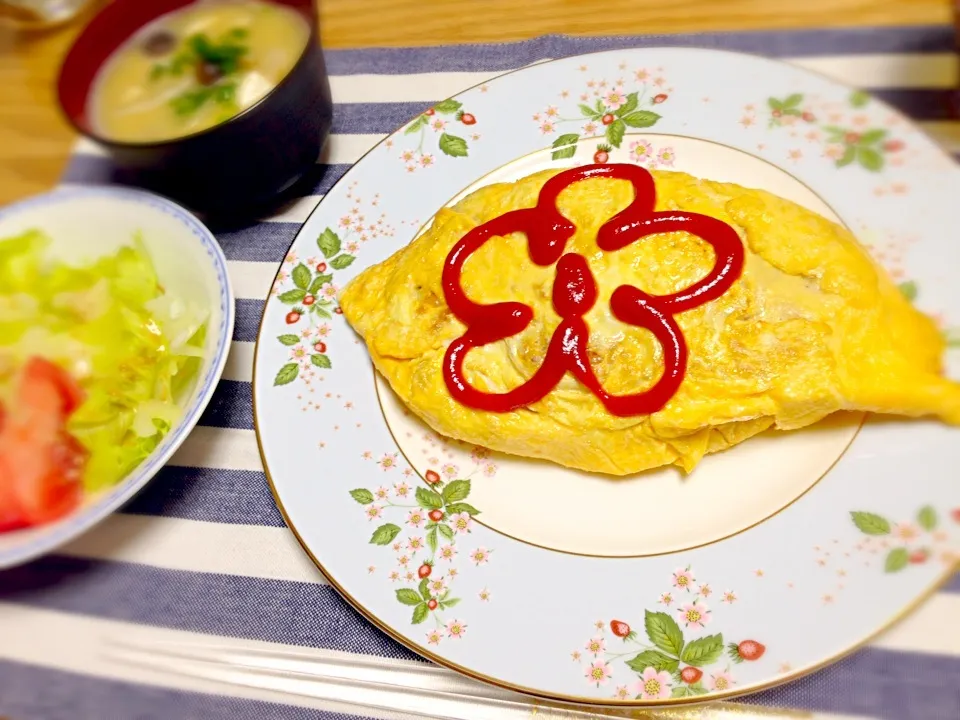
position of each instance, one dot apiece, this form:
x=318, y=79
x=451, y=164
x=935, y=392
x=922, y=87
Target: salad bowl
x=81, y=226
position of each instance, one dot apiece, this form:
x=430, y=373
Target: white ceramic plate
x=86, y=223
x=771, y=560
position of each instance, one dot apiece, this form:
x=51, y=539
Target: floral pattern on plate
x=437, y=516
x=905, y=543
x=668, y=663
x=844, y=132
x=607, y=110
x=438, y=123
x=306, y=285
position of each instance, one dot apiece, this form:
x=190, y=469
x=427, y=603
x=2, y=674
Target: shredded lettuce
x=134, y=349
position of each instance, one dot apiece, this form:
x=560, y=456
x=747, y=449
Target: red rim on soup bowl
x=239, y=166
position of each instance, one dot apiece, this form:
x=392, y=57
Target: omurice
x=614, y=319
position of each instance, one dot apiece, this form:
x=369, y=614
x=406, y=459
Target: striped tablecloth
x=203, y=551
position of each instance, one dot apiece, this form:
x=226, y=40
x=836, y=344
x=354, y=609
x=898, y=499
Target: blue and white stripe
x=203, y=550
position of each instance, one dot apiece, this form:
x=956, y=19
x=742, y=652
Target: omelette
x=807, y=325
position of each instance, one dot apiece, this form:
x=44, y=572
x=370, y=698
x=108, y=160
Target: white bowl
x=85, y=223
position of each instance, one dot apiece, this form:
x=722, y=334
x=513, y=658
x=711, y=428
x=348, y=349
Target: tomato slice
x=48, y=487
x=11, y=517
x=41, y=464
x=48, y=388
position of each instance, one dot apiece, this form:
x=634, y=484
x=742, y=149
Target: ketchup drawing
x=575, y=293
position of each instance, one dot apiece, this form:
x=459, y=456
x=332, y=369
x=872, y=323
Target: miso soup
x=195, y=68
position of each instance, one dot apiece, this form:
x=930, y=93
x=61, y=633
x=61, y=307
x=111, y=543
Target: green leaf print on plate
x=678, y=661
x=362, y=496
x=287, y=374
x=329, y=243
x=664, y=632
x=703, y=651
x=849, y=143
x=613, y=111
x=453, y=145
x=911, y=542
x=654, y=659
x=310, y=291
x=870, y=523
x=427, y=545
x=437, y=122
x=566, y=146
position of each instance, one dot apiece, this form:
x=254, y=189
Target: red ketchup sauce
x=575, y=293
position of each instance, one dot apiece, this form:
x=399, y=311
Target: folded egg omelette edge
x=812, y=326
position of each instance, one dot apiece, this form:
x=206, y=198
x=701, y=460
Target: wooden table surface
x=35, y=141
